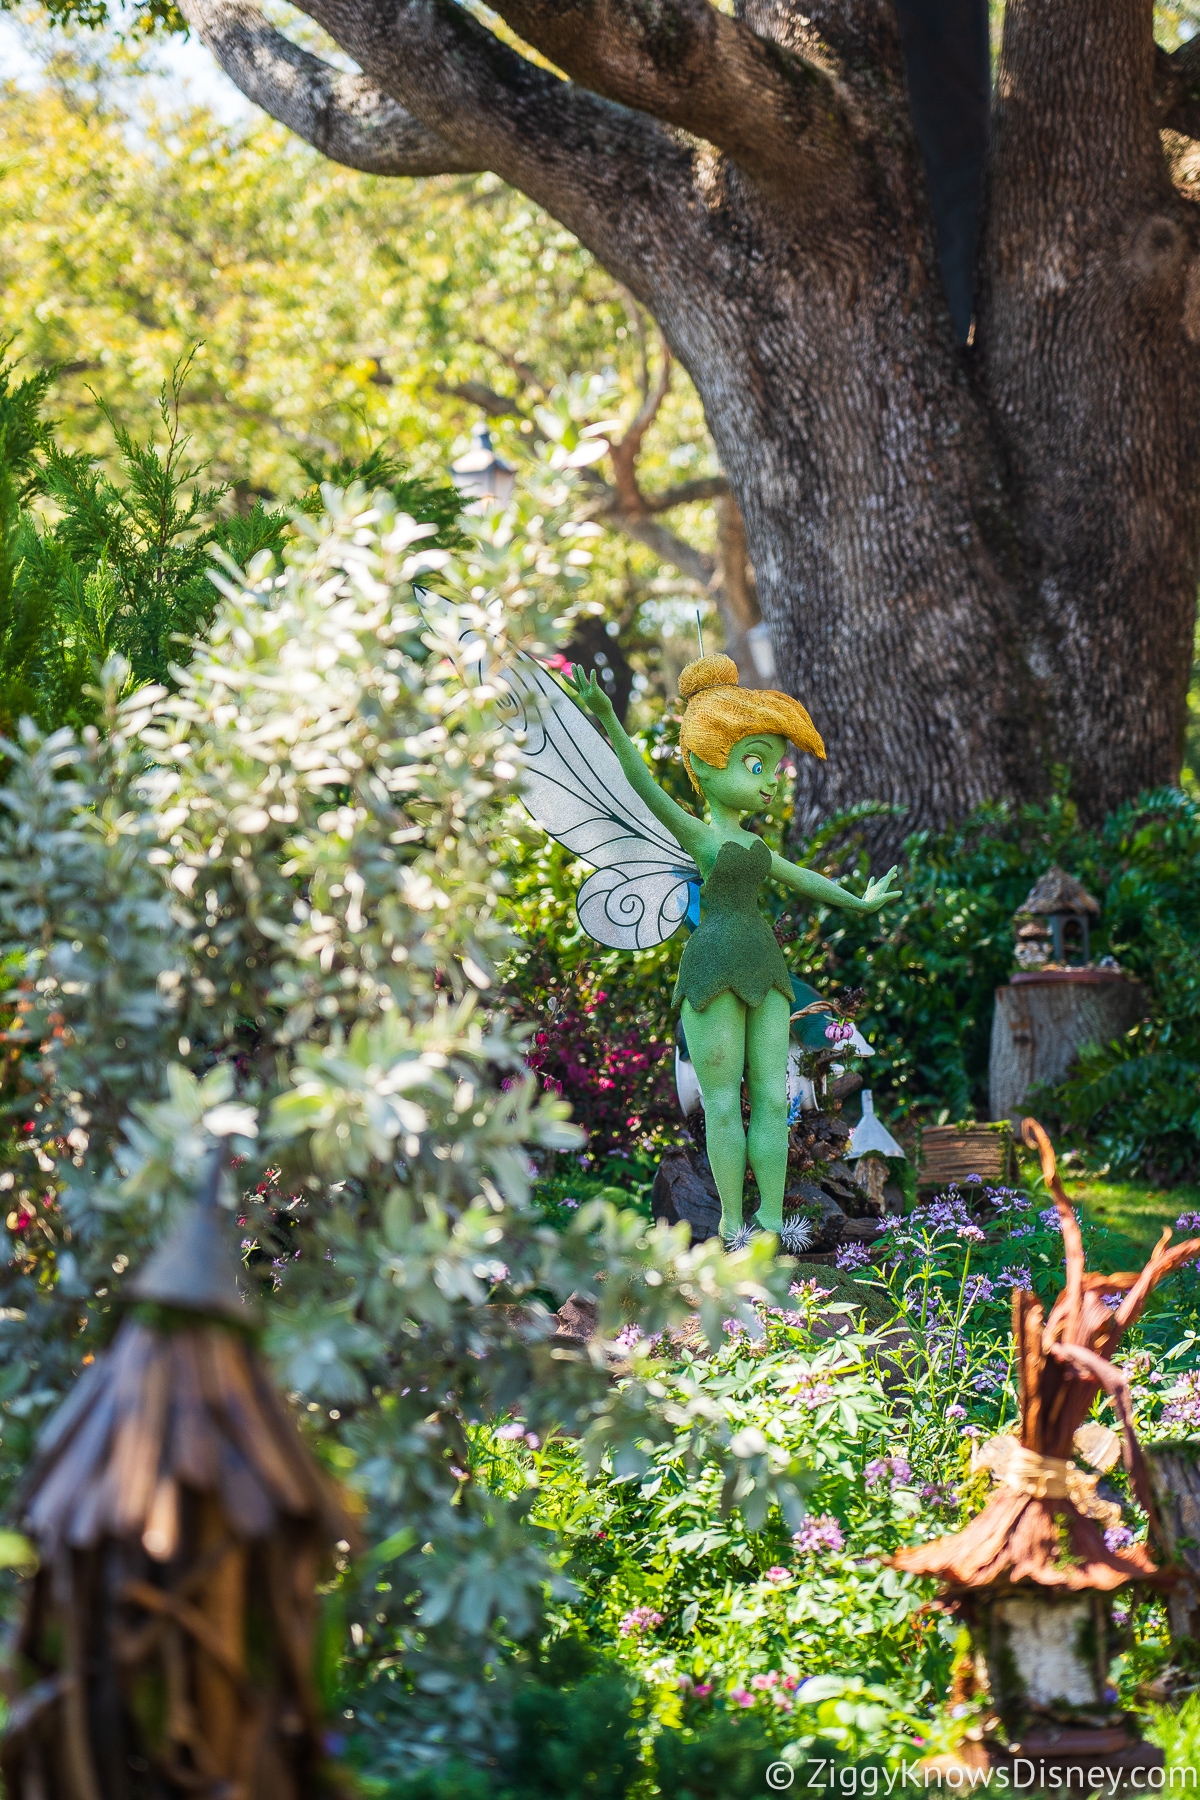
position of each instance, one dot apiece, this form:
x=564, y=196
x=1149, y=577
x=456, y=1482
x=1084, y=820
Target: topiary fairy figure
x=733, y=991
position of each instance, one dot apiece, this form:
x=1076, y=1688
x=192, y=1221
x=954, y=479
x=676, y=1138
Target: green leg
x=768, y=1029
x=717, y=1043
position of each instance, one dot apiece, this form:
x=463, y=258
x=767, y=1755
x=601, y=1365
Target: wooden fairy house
x=1031, y=1576
x=1056, y=1000
x=1052, y=928
x=166, y=1646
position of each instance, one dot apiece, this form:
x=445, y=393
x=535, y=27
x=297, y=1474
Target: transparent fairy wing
x=576, y=790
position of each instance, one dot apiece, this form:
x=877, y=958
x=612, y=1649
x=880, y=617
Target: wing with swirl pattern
x=576, y=790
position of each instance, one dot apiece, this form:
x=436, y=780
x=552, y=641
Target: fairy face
x=749, y=779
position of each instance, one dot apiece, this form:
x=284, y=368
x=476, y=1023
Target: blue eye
x=755, y=767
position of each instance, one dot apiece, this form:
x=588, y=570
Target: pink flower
x=762, y=1682
x=642, y=1618
x=702, y=1690
x=740, y=1697
x=777, y=1573
x=819, y=1533
x=508, y=1432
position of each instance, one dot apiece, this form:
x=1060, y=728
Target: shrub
x=264, y=906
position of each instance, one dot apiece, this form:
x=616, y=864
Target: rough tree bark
x=974, y=562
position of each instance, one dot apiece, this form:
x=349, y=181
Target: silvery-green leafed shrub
x=267, y=906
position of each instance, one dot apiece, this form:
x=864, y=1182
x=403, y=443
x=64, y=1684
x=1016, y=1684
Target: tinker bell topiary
x=733, y=990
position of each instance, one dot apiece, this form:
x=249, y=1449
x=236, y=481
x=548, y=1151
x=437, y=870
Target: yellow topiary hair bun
x=708, y=672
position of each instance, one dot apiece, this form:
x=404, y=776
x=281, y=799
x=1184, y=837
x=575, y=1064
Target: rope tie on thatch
x=1044, y=1477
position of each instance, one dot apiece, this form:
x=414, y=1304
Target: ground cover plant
x=726, y=1615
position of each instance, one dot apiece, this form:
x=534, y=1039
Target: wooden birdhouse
x=1031, y=1576
x=1053, y=926
x=166, y=1647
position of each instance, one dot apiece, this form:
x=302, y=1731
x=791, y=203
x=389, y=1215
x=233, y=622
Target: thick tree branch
x=695, y=67
x=705, y=487
x=1177, y=88
x=862, y=34
x=345, y=117
x=619, y=180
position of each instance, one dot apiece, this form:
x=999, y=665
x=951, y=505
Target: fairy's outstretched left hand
x=880, y=892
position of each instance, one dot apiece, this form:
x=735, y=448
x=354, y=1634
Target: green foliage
x=265, y=906
x=436, y=502
x=93, y=567
x=726, y=1762
x=929, y=965
x=103, y=568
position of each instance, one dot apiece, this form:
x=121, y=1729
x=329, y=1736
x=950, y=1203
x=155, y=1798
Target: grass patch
x=1133, y=1210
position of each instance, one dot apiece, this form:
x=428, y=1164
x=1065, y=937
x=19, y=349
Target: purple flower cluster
x=812, y=1393
x=955, y=1411
x=1015, y=1276
x=1183, y=1401
x=1188, y=1221
x=895, y=1470
x=1050, y=1219
x=852, y=1256
x=1118, y=1537
x=978, y=1291
x=988, y=1380
x=642, y=1618
x=810, y=1291
x=947, y=1213
x=822, y=1532
x=839, y=1032
x=627, y=1337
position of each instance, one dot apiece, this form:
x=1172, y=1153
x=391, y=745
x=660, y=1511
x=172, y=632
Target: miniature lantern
x=481, y=474
x=870, y=1143
x=167, y=1645
x=1052, y=926
x=1031, y=1576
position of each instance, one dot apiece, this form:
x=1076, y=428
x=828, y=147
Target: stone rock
x=577, y=1318
x=684, y=1188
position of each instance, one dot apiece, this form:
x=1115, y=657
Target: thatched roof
x=1058, y=892
x=160, y=1413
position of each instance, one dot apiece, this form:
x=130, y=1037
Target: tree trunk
x=975, y=562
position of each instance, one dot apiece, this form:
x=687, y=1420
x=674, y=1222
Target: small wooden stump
x=1173, y=1470
x=1044, y=1018
x=953, y=1152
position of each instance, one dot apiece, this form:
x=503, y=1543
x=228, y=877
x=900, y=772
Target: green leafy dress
x=733, y=947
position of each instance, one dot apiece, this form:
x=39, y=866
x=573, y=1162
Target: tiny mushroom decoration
x=166, y=1645
x=1031, y=1576
x=871, y=1143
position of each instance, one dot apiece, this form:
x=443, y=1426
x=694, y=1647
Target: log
x=1173, y=1472
x=1044, y=1019
x=953, y=1152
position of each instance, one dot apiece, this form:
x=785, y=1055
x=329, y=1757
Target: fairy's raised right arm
x=688, y=831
